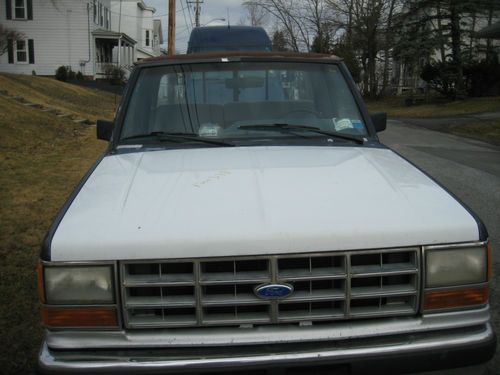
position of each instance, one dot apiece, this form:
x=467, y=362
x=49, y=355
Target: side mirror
x=379, y=121
x=104, y=129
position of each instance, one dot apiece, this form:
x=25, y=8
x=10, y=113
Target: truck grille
x=220, y=291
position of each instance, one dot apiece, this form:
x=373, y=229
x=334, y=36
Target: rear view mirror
x=379, y=121
x=104, y=129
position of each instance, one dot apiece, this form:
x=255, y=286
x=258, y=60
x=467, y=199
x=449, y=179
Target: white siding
x=61, y=36
x=134, y=22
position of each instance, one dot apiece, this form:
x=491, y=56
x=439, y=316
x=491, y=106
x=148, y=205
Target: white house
x=80, y=34
x=136, y=19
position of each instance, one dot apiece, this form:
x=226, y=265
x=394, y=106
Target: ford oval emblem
x=274, y=291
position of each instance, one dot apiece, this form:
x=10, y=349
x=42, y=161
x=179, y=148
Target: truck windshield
x=224, y=100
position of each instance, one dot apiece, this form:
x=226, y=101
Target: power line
x=189, y=12
x=184, y=13
x=197, y=10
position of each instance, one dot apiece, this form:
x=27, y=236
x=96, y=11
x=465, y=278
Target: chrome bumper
x=439, y=349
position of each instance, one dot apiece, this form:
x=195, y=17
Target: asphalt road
x=468, y=168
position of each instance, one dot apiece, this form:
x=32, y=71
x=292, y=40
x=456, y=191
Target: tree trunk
x=366, y=87
x=489, y=49
x=440, y=31
x=349, y=25
x=473, y=29
x=455, y=46
x=388, y=44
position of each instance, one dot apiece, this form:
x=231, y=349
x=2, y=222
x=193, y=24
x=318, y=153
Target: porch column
x=119, y=51
x=94, y=57
x=129, y=56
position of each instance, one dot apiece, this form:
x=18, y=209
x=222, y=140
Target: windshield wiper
x=179, y=137
x=288, y=128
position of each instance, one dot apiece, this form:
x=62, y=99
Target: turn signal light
x=447, y=299
x=59, y=317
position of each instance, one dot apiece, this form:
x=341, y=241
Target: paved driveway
x=468, y=168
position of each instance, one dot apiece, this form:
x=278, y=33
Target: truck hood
x=255, y=200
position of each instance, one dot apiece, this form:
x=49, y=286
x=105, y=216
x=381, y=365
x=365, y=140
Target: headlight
x=456, y=277
x=85, y=285
x=459, y=266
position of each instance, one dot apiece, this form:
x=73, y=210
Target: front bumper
x=395, y=353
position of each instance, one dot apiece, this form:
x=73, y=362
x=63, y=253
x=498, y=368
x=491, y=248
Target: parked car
x=246, y=216
x=228, y=38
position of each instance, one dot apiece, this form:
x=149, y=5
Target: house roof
x=141, y=4
x=492, y=31
x=145, y=51
x=108, y=34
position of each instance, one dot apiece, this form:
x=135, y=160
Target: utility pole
x=171, y=28
x=197, y=10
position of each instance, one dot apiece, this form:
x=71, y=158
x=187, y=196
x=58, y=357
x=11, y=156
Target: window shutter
x=29, y=4
x=31, y=51
x=8, y=9
x=10, y=49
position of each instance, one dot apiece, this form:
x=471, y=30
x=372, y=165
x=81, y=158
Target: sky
x=210, y=10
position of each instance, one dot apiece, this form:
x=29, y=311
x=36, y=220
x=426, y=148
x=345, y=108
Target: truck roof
x=227, y=38
x=235, y=55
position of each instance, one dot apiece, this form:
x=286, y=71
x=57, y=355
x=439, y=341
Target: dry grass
x=395, y=107
x=487, y=131
x=42, y=157
x=85, y=102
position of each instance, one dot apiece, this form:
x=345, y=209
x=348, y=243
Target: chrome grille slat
x=315, y=296
x=166, y=301
x=224, y=300
x=220, y=292
x=380, y=292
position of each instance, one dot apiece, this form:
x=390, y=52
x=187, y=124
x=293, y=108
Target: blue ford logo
x=274, y=291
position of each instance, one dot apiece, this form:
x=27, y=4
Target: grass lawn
x=87, y=103
x=42, y=158
x=487, y=131
x=395, y=107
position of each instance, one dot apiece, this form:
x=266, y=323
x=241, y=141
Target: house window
x=21, y=51
x=106, y=18
x=101, y=16
x=147, y=38
x=95, y=10
x=20, y=9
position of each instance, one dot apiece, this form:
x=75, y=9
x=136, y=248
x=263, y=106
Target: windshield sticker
x=343, y=124
x=209, y=130
x=357, y=124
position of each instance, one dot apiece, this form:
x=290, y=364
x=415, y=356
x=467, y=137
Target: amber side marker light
x=456, y=298
x=58, y=317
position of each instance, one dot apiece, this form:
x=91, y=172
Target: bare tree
x=8, y=36
x=255, y=15
x=368, y=32
x=289, y=14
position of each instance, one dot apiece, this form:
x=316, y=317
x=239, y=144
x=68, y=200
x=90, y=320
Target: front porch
x=113, y=49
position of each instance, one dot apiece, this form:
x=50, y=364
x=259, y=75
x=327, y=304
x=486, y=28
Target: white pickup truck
x=246, y=217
